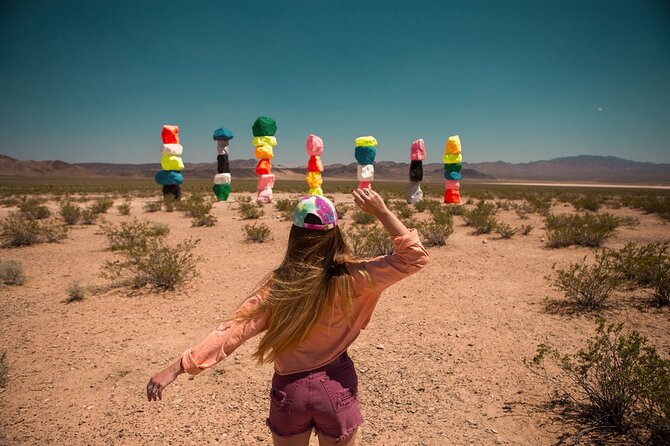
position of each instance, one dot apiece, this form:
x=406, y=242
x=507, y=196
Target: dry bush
x=153, y=206
x=11, y=273
x=435, y=233
x=251, y=211
x=363, y=218
x=286, y=206
x=525, y=229
x=124, y=208
x=369, y=241
x=32, y=209
x=134, y=234
x=586, y=286
x=16, y=230
x=101, y=205
x=426, y=203
x=70, y=212
x=585, y=230
x=481, y=218
x=161, y=266
x=505, y=231
x=645, y=266
x=403, y=210
x=75, y=293
x=618, y=383
x=88, y=216
x=257, y=232
x=586, y=202
x=9, y=202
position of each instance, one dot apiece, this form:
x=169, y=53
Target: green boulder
x=222, y=191
x=264, y=126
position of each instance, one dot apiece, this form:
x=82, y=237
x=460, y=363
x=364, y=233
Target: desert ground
x=441, y=362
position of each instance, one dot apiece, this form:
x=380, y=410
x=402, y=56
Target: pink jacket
x=334, y=331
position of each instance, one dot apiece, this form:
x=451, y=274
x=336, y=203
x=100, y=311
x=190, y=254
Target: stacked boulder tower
x=452, y=170
x=314, y=179
x=171, y=177
x=222, y=179
x=365, y=153
x=417, y=153
x=264, y=129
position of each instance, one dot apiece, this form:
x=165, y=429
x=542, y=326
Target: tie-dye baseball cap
x=317, y=205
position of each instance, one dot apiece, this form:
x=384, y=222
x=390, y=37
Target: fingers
x=358, y=197
x=154, y=391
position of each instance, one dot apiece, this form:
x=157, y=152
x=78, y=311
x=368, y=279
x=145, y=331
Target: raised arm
x=409, y=254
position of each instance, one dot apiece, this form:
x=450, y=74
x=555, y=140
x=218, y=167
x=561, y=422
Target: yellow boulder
x=264, y=152
x=171, y=162
x=453, y=146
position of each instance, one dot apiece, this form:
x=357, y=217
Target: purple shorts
x=325, y=399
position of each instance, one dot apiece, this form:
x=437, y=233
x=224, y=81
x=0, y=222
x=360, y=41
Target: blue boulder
x=169, y=177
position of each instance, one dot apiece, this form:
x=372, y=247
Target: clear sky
x=87, y=81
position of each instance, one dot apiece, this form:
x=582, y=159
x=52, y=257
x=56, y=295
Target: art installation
x=264, y=140
x=365, y=153
x=171, y=177
x=417, y=153
x=314, y=148
x=222, y=179
x=452, y=170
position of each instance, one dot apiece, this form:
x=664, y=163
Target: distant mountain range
x=585, y=168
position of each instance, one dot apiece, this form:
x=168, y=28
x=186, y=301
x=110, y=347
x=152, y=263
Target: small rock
x=484, y=241
x=380, y=346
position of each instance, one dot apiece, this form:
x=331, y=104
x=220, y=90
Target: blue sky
x=93, y=81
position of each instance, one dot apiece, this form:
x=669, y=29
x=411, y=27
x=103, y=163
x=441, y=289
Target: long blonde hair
x=311, y=276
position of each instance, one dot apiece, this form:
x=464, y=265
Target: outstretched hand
x=162, y=379
x=369, y=201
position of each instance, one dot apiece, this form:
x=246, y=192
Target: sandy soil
x=440, y=364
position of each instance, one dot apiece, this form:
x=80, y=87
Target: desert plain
x=441, y=363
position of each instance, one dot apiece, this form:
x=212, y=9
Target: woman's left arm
x=220, y=343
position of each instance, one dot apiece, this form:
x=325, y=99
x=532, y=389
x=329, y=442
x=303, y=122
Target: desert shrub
x=630, y=221
x=161, y=266
x=369, y=241
x=645, y=266
x=505, y=231
x=435, y=233
x=9, y=202
x=363, y=218
x=16, y=230
x=207, y=220
x=250, y=211
x=257, y=232
x=124, y=208
x=102, y=205
x=4, y=370
x=341, y=210
x=133, y=234
x=32, y=209
x=456, y=209
x=586, y=202
x=504, y=205
x=618, y=382
x=426, y=203
x=586, y=286
x=651, y=204
x=481, y=218
x=11, y=273
x=286, y=206
x=153, y=206
x=441, y=214
x=403, y=210
x=169, y=202
x=539, y=203
x=525, y=229
x=88, y=216
x=521, y=213
x=70, y=212
x=585, y=230
x=75, y=293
